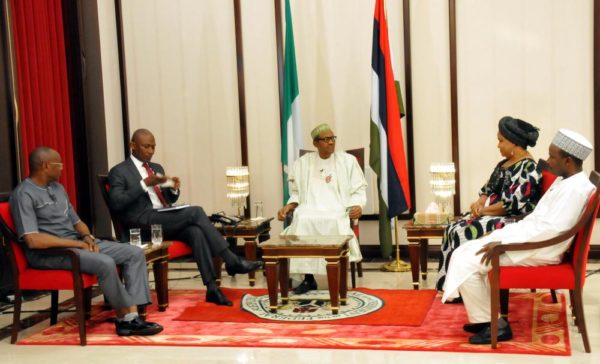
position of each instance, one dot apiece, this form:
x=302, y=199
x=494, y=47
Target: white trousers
x=468, y=276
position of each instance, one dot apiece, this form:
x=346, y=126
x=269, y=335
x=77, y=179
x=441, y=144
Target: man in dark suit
x=138, y=187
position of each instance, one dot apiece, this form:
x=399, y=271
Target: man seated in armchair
x=139, y=187
x=326, y=189
x=44, y=219
x=557, y=211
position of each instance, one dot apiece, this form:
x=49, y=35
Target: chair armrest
x=108, y=238
x=502, y=248
x=72, y=253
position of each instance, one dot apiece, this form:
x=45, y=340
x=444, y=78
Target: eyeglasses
x=328, y=139
x=57, y=164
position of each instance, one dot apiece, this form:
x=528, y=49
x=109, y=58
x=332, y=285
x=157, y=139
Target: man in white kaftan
x=327, y=189
x=557, y=211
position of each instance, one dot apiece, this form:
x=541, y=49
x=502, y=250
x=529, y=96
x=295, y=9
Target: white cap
x=573, y=143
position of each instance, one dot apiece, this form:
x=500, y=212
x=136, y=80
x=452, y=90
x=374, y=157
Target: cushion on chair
x=559, y=276
x=19, y=256
x=8, y=220
x=178, y=249
x=51, y=279
x=6, y=215
x=547, y=180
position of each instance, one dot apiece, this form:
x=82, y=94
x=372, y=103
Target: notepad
x=173, y=207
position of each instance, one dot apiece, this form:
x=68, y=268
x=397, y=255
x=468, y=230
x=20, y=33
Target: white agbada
x=324, y=190
x=557, y=211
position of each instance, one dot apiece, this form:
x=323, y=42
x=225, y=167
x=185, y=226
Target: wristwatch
x=90, y=235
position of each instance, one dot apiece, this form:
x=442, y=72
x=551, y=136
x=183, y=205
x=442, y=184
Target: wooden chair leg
x=554, y=298
x=495, y=301
x=573, y=313
x=578, y=305
x=16, y=316
x=88, y=302
x=353, y=274
x=504, y=303
x=53, y=307
x=80, y=306
x=359, y=267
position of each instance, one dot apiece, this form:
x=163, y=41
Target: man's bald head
x=139, y=133
x=142, y=145
x=38, y=156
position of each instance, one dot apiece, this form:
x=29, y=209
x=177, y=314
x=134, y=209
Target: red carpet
x=401, y=308
x=539, y=327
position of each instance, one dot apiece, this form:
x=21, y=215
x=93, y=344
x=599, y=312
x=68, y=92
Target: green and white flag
x=291, y=126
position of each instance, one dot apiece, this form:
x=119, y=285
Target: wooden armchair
x=28, y=278
x=177, y=248
x=570, y=274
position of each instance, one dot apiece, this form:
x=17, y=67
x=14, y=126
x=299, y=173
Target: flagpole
x=397, y=265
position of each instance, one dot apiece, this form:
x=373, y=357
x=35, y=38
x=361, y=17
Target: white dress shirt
x=149, y=189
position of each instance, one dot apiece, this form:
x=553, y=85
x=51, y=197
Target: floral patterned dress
x=517, y=187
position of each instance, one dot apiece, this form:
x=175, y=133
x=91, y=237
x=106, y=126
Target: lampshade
x=442, y=181
x=238, y=185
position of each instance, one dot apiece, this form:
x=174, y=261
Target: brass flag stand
x=397, y=265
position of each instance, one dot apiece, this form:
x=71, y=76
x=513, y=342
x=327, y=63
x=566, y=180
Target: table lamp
x=443, y=185
x=238, y=186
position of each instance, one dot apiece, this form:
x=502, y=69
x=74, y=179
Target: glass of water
x=258, y=210
x=135, y=237
x=157, y=237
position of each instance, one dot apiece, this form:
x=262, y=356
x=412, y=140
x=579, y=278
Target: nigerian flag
x=291, y=127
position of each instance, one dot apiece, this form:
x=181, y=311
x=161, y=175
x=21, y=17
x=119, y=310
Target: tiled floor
x=373, y=279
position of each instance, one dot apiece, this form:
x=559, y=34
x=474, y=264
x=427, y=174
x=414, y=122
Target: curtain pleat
x=43, y=82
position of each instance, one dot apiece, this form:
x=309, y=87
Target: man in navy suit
x=139, y=187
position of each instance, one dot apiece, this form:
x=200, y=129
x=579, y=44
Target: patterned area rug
x=539, y=327
x=365, y=307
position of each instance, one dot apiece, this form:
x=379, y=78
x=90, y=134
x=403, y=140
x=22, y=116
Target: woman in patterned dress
x=513, y=189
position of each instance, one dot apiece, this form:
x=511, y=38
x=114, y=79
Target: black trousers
x=192, y=226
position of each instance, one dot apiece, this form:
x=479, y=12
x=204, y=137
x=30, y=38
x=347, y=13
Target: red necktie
x=157, y=189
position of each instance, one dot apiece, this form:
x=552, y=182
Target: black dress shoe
x=243, y=266
x=217, y=297
x=137, y=327
x=485, y=335
x=456, y=300
x=305, y=286
x=475, y=328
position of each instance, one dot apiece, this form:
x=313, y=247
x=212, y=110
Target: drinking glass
x=258, y=210
x=157, y=237
x=135, y=237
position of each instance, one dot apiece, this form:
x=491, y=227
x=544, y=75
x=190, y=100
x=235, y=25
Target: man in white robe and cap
x=557, y=211
x=327, y=189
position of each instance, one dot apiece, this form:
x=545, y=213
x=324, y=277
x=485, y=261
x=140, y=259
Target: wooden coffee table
x=334, y=249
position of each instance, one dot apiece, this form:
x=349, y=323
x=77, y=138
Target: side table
x=253, y=231
x=158, y=256
x=418, y=244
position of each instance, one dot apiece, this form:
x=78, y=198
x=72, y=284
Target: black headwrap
x=519, y=132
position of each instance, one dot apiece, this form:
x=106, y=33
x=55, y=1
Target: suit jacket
x=127, y=198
